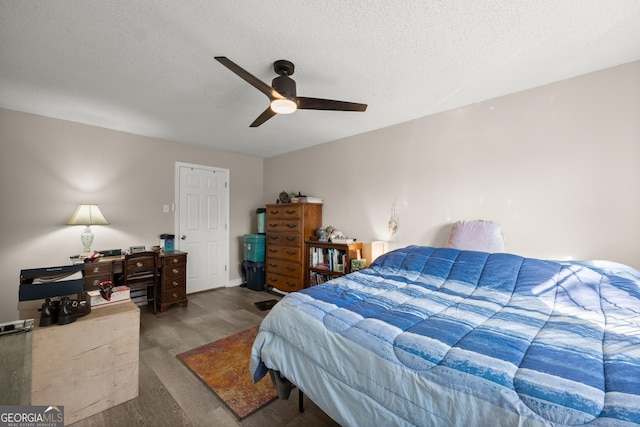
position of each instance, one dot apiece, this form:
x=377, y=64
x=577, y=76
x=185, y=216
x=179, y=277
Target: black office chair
x=141, y=274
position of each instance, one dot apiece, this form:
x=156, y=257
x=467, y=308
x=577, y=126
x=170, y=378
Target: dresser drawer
x=284, y=283
x=283, y=252
x=284, y=239
x=286, y=268
x=282, y=226
x=283, y=212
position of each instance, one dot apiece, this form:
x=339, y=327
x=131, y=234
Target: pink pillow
x=478, y=235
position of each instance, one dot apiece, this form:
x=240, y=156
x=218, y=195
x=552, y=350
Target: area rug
x=224, y=366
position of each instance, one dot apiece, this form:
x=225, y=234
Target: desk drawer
x=171, y=271
x=174, y=292
x=174, y=260
x=97, y=269
x=92, y=283
x=96, y=273
x=169, y=283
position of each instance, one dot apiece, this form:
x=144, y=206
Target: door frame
x=177, y=210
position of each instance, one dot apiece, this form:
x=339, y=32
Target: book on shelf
x=118, y=294
x=331, y=259
x=320, y=278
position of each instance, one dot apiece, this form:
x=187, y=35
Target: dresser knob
x=139, y=264
x=96, y=269
x=175, y=283
x=175, y=295
x=175, y=260
x=175, y=271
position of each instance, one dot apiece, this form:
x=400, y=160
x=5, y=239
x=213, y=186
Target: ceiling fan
x=282, y=92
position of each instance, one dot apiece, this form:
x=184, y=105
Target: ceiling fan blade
x=266, y=115
x=249, y=78
x=305, y=103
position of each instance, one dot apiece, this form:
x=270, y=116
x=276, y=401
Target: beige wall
x=557, y=166
x=48, y=166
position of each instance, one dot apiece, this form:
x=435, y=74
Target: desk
x=173, y=276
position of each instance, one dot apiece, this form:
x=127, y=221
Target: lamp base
x=87, y=241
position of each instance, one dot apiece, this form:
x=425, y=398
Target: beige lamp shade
x=88, y=215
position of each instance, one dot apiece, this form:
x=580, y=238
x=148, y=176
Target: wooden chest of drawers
x=287, y=226
x=173, y=280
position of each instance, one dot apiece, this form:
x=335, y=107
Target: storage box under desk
x=89, y=365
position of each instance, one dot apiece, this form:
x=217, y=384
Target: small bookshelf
x=326, y=260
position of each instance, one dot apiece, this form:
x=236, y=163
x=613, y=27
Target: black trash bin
x=254, y=272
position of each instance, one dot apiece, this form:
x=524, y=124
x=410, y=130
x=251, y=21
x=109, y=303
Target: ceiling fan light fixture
x=283, y=106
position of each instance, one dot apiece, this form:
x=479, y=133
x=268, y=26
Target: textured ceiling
x=147, y=67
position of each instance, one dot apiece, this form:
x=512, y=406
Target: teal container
x=254, y=245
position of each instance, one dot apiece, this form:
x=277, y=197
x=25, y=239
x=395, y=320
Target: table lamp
x=87, y=215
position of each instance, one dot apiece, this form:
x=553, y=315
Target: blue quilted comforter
x=537, y=342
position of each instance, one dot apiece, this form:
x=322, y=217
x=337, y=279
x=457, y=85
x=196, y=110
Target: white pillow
x=478, y=235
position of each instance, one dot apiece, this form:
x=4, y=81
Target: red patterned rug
x=224, y=366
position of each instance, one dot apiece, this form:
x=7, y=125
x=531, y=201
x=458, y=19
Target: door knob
x=183, y=237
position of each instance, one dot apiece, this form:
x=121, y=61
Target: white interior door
x=202, y=218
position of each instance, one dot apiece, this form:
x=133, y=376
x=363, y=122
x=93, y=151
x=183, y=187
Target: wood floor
x=170, y=395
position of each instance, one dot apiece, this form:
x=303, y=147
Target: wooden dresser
x=173, y=279
x=287, y=226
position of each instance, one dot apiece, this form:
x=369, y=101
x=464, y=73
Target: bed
x=447, y=337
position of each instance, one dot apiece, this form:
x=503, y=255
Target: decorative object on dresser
x=288, y=225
